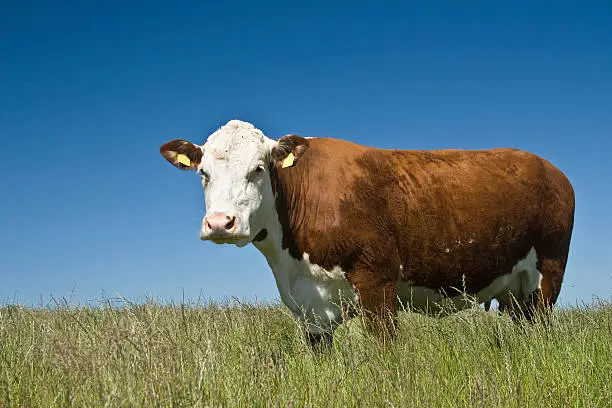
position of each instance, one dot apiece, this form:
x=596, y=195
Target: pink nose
x=220, y=222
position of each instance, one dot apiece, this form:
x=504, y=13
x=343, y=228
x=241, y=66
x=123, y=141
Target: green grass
x=254, y=355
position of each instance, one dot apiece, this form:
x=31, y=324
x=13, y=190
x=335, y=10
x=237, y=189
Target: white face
x=237, y=186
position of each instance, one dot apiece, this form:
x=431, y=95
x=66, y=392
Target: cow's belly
x=521, y=282
x=318, y=296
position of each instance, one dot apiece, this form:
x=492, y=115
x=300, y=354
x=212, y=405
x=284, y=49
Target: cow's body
x=350, y=222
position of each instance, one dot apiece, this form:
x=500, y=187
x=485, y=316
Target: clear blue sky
x=89, y=90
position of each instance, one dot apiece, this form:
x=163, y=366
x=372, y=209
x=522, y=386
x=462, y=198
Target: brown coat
x=442, y=219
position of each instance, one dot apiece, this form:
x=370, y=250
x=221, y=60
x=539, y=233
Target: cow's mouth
x=225, y=238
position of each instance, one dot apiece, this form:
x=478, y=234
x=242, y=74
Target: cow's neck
x=271, y=245
x=285, y=268
x=278, y=241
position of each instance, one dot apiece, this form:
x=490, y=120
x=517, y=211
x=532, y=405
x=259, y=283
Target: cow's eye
x=256, y=172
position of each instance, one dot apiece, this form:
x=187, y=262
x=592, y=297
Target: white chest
x=313, y=294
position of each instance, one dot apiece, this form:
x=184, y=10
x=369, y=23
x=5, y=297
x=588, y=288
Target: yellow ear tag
x=288, y=162
x=181, y=158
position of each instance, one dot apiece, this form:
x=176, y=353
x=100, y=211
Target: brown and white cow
x=340, y=222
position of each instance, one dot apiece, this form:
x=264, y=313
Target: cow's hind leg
x=520, y=305
x=530, y=302
x=554, y=238
x=553, y=270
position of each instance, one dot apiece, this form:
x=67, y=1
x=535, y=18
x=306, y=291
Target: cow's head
x=235, y=165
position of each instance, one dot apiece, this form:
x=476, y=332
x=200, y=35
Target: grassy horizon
x=254, y=354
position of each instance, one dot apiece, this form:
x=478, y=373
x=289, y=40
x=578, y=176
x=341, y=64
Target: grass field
x=254, y=355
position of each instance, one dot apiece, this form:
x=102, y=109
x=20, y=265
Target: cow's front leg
x=320, y=341
x=379, y=303
x=318, y=331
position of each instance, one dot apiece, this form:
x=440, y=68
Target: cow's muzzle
x=221, y=227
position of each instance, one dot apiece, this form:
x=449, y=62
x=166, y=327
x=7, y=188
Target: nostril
x=230, y=224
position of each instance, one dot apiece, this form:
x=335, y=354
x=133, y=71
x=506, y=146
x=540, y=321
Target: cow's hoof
x=320, y=341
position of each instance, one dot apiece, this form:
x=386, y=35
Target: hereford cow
x=341, y=223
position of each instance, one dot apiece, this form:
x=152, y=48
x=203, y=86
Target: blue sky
x=89, y=90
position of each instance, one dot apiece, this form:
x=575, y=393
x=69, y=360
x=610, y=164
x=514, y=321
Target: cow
x=342, y=224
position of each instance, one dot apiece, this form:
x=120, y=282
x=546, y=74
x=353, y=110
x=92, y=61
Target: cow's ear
x=182, y=154
x=288, y=150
